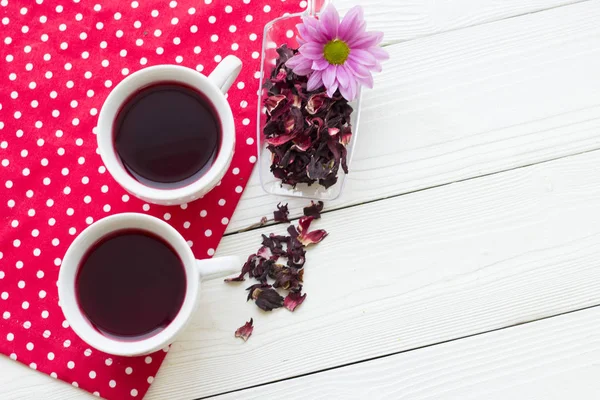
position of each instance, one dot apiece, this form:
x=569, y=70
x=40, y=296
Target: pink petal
x=310, y=21
x=376, y=67
x=302, y=71
x=356, y=69
x=295, y=61
x=366, y=40
x=319, y=65
x=343, y=76
x=314, y=51
x=345, y=92
x=330, y=21
x=332, y=89
x=302, y=32
x=379, y=53
x=353, y=89
x=366, y=80
x=351, y=23
x=329, y=75
x=303, y=68
x=314, y=81
x=362, y=57
x=349, y=92
x=313, y=30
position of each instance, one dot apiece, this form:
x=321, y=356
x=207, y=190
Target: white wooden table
x=463, y=260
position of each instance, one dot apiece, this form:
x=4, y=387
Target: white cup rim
x=67, y=292
x=143, y=78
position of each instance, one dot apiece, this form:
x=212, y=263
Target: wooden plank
x=469, y=103
x=406, y=272
x=395, y=275
x=410, y=19
x=552, y=359
x=19, y=382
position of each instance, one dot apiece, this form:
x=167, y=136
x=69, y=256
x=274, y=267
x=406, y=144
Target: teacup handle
x=226, y=72
x=218, y=267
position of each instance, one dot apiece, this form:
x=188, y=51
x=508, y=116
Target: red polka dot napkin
x=58, y=61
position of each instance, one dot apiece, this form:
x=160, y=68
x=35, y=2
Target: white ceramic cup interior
x=194, y=271
x=212, y=87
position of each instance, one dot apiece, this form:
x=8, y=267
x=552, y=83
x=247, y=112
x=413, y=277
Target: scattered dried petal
x=293, y=300
x=264, y=252
x=281, y=215
x=265, y=266
x=245, y=331
x=254, y=290
x=304, y=223
x=267, y=299
x=314, y=210
x=246, y=268
x=305, y=237
x=288, y=278
x=313, y=237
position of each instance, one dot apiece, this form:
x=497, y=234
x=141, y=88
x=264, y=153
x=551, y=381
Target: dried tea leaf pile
x=279, y=264
x=306, y=132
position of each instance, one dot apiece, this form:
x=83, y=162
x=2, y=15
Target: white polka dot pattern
x=59, y=61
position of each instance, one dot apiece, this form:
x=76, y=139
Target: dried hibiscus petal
x=255, y=289
x=305, y=237
x=266, y=265
x=293, y=300
x=246, y=268
x=317, y=102
x=312, y=237
x=314, y=210
x=306, y=132
x=265, y=252
x=267, y=299
x=245, y=331
x=281, y=215
x=272, y=102
x=262, y=269
x=288, y=278
x=345, y=136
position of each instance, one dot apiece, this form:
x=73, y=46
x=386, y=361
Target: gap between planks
x=468, y=103
x=466, y=258
x=272, y=223
x=367, y=360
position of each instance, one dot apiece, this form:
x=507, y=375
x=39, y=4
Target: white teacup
x=212, y=87
x=194, y=271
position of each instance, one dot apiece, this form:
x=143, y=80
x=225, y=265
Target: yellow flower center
x=336, y=52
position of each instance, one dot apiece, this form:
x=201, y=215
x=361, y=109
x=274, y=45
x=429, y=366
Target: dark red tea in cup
x=167, y=135
x=130, y=285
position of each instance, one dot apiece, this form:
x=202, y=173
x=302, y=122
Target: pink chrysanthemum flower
x=337, y=55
